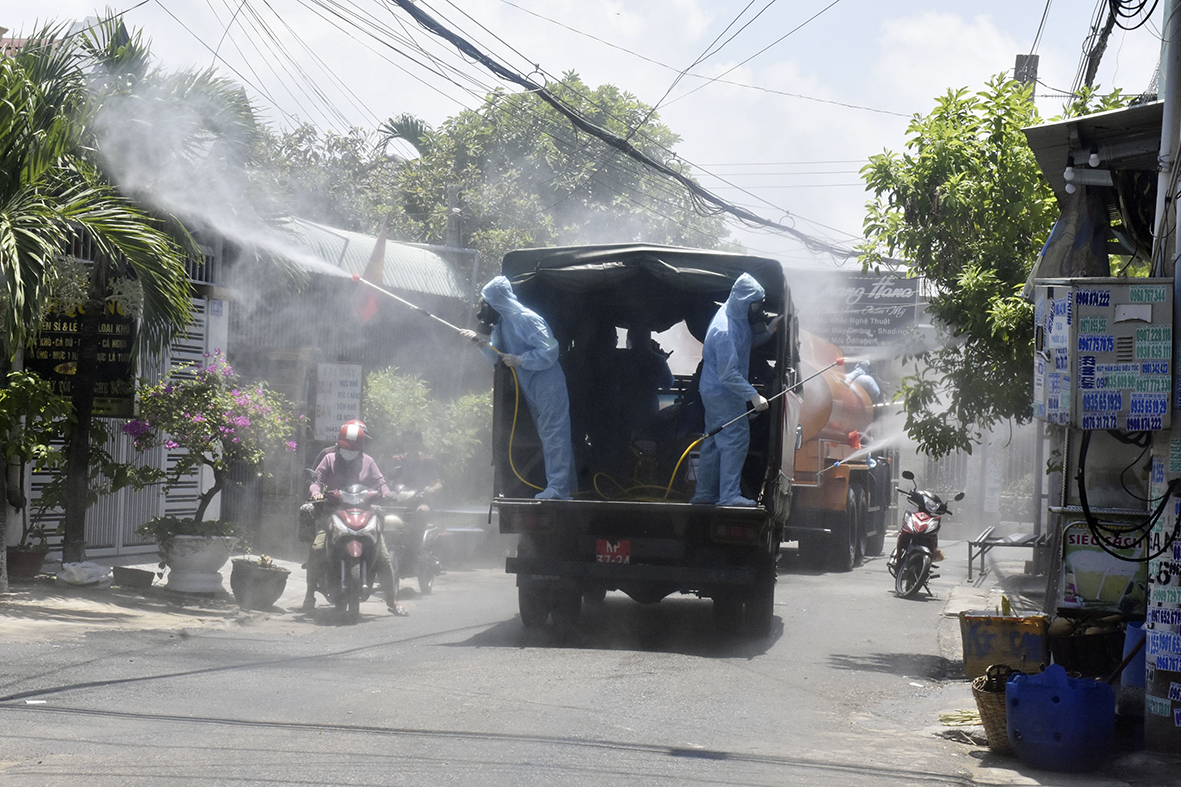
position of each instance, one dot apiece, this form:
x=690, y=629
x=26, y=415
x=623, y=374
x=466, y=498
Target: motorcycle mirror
x=960, y=496
x=909, y=476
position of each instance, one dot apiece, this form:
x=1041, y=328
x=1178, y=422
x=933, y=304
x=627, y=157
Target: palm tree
x=411, y=128
x=51, y=191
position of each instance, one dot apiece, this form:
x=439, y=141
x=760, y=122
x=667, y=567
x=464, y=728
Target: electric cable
x=748, y=413
x=583, y=124
x=1109, y=536
x=666, y=66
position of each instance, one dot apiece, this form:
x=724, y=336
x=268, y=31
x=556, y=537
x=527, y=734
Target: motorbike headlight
x=337, y=528
x=929, y=504
x=371, y=529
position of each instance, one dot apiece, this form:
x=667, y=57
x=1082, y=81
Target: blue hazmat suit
x=725, y=393
x=523, y=332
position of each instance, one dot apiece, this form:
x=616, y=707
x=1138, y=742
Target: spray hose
x=516, y=383
x=707, y=435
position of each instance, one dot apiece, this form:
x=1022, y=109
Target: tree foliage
x=217, y=419
x=968, y=208
x=456, y=433
x=520, y=175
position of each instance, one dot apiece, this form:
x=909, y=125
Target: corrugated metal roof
x=407, y=268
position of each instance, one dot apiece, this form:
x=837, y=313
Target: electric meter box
x=1103, y=353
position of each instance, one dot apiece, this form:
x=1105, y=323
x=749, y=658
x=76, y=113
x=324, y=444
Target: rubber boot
x=315, y=566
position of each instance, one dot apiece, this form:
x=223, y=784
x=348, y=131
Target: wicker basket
x=989, y=691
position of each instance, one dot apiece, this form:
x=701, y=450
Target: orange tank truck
x=842, y=493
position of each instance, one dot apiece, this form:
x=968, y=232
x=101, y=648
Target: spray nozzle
x=840, y=360
x=356, y=277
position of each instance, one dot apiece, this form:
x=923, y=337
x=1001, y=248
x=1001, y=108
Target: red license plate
x=613, y=551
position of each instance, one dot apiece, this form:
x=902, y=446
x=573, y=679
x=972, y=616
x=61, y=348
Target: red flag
x=374, y=273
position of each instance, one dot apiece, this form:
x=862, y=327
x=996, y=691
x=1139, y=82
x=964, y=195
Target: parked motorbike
x=413, y=544
x=918, y=540
x=354, y=527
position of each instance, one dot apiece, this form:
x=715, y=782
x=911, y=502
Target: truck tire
x=814, y=551
x=876, y=544
x=728, y=613
x=535, y=604
x=567, y=609
x=760, y=609
x=860, y=519
x=844, y=543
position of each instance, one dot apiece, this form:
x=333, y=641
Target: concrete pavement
x=45, y=611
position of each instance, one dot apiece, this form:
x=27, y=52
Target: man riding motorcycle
x=338, y=468
x=417, y=471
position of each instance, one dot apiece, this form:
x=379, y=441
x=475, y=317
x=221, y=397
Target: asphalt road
x=847, y=691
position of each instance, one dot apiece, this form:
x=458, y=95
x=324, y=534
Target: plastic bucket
x=1133, y=675
x=1059, y=723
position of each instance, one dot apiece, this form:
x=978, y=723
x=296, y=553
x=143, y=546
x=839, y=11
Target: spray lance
x=712, y=432
x=517, y=384
x=358, y=278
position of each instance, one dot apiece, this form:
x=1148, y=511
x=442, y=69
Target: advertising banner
x=855, y=310
x=54, y=357
x=338, y=398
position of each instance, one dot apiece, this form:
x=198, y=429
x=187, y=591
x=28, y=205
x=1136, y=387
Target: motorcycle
x=918, y=540
x=353, y=528
x=413, y=549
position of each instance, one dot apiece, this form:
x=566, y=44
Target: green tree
x=341, y=180
x=458, y=433
x=51, y=191
x=518, y=174
x=969, y=209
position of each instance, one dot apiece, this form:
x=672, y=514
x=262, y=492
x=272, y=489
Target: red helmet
x=352, y=436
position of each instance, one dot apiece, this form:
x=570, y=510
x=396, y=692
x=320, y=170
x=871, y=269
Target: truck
x=631, y=527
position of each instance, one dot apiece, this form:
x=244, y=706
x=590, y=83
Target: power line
x=583, y=124
x=761, y=51
x=647, y=59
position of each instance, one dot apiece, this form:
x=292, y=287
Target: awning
x=408, y=267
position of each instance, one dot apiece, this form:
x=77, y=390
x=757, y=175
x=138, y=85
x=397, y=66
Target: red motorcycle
x=918, y=540
x=354, y=529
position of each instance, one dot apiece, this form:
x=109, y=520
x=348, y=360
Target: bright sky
x=783, y=135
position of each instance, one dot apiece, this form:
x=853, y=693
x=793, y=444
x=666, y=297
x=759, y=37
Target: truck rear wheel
x=876, y=544
x=567, y=609
x=728, y=613
x=760, y=609
x=844, y=544
x=535, y=604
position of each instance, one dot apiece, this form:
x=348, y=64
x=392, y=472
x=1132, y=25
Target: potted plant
x=32, y=417
x=216, y=421
x=257, y=584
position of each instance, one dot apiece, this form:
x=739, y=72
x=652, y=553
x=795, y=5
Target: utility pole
x=1162, y=716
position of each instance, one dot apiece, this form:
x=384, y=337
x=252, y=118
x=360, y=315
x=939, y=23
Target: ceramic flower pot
x=255, y=586
x=195, y=562
x=25, y=563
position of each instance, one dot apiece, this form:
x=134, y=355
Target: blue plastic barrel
x=1133, y=675
x=1058, y=723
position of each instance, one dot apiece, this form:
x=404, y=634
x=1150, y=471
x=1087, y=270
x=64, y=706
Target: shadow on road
x=675, y=625
x=911, y=665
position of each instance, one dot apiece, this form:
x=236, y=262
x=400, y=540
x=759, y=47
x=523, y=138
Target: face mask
x=347, y=454
x=756, y=313
x=487, y=316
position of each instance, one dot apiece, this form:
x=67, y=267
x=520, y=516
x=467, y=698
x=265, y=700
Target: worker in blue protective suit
x=725, y=392
x=523, y=341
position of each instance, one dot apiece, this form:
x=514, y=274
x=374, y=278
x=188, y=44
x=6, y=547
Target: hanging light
x=1094, y=158
x=1071, y=188
x=1068, y=173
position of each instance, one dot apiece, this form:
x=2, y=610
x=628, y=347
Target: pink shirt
x=335, y=473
